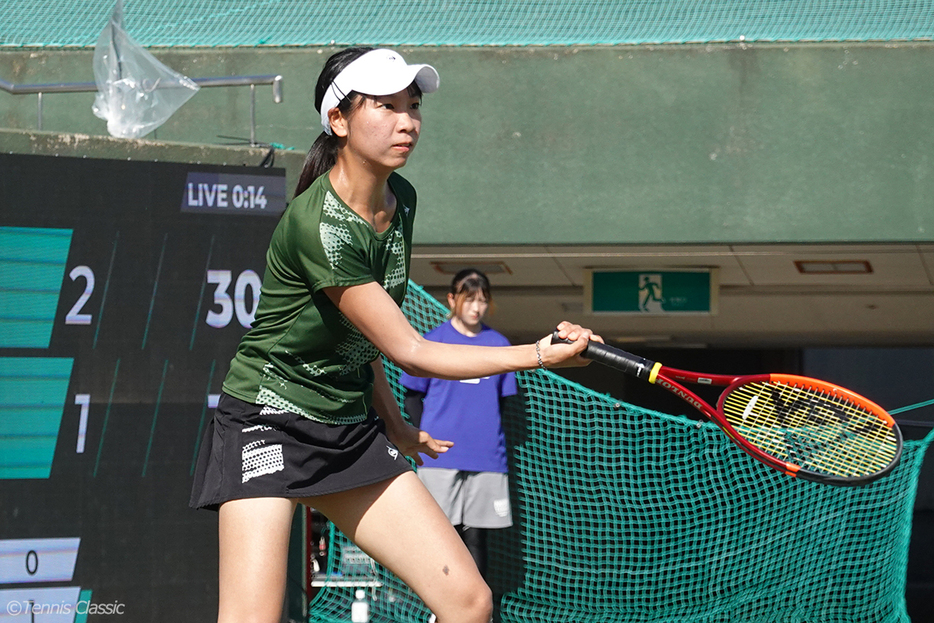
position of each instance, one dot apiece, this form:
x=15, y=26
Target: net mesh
x=626, y=515
x=190, y=23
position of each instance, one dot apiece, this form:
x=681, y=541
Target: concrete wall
x=605, y=145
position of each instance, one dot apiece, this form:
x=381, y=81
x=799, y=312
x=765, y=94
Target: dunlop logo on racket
x=802, y=427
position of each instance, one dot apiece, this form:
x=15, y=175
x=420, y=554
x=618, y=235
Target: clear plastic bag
x=135, y=92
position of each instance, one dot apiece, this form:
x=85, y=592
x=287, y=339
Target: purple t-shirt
x=466, y=412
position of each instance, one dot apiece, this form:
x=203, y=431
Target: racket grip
x=616, y=358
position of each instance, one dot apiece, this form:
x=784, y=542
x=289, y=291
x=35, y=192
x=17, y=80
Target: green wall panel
x=608, y=145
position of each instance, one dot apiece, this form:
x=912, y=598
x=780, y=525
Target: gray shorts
x=474, y=499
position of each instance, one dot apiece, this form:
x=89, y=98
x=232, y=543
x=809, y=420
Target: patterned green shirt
x=302, y=355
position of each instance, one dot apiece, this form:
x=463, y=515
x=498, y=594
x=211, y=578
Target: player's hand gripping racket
x=802, y=427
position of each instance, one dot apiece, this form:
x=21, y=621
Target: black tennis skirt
x=252, y=451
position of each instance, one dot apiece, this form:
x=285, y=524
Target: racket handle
x=633, y=365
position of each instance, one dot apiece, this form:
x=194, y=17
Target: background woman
x=470, y=480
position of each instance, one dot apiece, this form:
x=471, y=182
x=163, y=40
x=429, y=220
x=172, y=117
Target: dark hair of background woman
x=467, y=282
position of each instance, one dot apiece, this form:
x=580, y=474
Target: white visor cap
x=378, y=72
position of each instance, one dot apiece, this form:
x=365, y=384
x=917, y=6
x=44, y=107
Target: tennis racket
x=802, y=427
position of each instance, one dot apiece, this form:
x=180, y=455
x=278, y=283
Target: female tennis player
x=307, y=415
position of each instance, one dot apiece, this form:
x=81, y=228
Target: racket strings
x=826, y=434
x=819, y=431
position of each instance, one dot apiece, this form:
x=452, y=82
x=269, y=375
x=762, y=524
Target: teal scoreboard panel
x=125, y=288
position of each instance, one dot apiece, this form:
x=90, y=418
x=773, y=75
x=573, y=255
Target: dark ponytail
x=323, y=153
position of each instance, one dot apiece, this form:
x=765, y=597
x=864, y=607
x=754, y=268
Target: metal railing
x=91, y=87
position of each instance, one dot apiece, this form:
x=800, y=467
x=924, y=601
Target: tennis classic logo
x=227, y=193
x=30, y=608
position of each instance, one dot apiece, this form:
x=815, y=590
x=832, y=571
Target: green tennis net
x=628, y=515
x=190, y=23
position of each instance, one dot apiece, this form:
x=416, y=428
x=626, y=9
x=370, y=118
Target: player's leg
x=399, y=524
x=254, y=547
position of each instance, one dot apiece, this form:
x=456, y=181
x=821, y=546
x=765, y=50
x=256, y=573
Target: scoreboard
x=124, y=290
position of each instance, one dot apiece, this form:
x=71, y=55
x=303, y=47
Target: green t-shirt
x=302, y=355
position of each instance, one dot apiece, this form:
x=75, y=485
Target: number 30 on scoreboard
x=247, y=280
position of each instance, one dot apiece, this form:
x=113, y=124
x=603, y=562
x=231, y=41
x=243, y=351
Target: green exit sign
x=689, y=291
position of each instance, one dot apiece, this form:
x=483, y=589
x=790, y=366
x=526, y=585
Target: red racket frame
x=669, y=378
